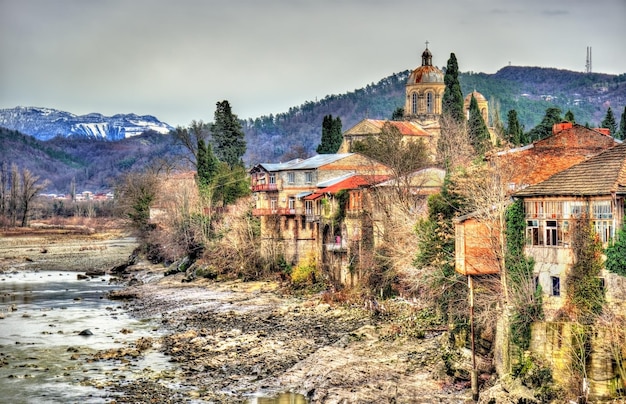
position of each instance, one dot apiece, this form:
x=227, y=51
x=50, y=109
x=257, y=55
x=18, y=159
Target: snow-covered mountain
x=46, y=123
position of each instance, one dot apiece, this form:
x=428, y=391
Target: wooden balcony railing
x=276, y=211
x=264, y=187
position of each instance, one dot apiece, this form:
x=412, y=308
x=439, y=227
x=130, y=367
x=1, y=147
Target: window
x=556, y=286
x=602, y=210
x=535, y=283
x=355, y=200
x=292, y=202
x=272, y=178
x=273, y=203
x=429, y=103
x=551, y=233
x=604, y=229
x=414, y=103
x=308, y=177
x=576, y=209
x=291, y=178
x=533, y=235
x=308, y=208
x=534, y=209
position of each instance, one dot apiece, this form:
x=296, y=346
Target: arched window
x=414, y=103
x=430, y=105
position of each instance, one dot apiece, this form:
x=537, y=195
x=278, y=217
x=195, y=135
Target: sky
x=175, y=59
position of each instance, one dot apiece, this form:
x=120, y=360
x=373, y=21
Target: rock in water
x=85, y=332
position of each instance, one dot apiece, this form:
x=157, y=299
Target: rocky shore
x=236, y=340
x=232, y=341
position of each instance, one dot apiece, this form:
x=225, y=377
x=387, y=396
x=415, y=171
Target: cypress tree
x=621, y=134
x=514, y=130
x=206, y=165
x=477, y=129
x=331, y=135
x=609, y=122
x=569, y=116
x=228, y=136
x=452, y=101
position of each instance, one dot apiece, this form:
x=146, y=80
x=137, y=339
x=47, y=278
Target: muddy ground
x=233, y=340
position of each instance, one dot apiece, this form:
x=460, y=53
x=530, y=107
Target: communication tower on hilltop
x=588, y=64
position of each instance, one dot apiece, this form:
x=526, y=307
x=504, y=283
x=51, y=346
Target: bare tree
x=4, y=187
x=14, y=184
x=454, y=148
x=189, y=137
x=30, y=188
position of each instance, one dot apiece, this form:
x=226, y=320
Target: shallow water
x=43, y=359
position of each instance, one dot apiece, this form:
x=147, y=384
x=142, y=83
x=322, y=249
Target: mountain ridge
x=45, y=123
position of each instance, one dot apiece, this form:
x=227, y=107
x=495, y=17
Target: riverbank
x=96, y=246
x=232, y=341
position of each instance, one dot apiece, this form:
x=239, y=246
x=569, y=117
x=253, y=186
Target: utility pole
x=474, y=374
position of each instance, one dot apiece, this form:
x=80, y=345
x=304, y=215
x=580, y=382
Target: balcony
x=264, y=187
x=276, y=211
x=336, y=247
x=310, y=218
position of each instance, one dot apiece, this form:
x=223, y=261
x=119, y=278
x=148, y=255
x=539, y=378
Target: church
x=422, y=109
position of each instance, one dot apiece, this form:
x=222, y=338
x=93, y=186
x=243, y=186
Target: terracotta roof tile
x=600, y=175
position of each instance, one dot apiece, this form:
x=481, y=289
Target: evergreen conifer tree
x=569, y=116
x=544, y=129
x=477, y=129
x=228, y=136
x=514, y=130
x=609, y=122
x=452, y=101
x=621, y=134
x=331, y=135
x=206, y=165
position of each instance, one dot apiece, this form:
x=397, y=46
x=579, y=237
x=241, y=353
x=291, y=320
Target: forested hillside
x=94, y=165
x=528, y=90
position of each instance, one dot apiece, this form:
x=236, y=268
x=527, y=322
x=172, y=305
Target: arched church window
x=429, y=103
x=414, y=103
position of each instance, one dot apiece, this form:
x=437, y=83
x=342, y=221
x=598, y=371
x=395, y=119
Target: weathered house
x=568, y=145
x=576, y=171
x=292, y=204
x=596, y=189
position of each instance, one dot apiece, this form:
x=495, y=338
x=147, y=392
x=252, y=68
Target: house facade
x=594, y=189
x=521, y=167
x=577, y=171
x=297, y=206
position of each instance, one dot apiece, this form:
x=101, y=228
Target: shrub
x=305, y=273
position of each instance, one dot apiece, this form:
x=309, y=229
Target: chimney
x=558, y=127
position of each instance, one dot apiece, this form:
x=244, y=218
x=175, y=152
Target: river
x=43, y=357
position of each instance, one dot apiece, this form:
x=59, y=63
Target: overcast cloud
x=176, y=59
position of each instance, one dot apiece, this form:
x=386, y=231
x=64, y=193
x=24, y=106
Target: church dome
x=479, y=97
x=426, y=74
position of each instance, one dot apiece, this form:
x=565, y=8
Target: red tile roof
x=603, y=174
x=354, y=182
x=544, y=158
